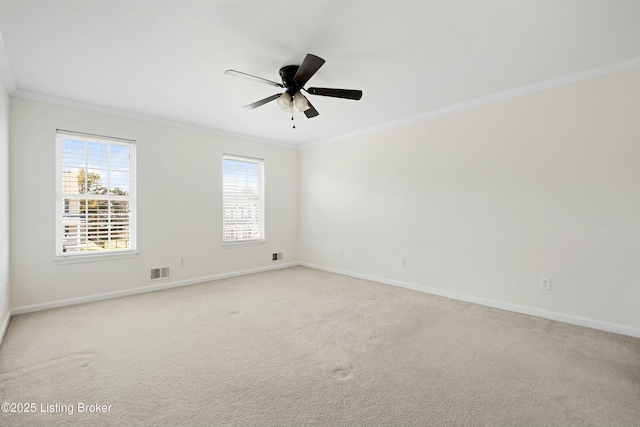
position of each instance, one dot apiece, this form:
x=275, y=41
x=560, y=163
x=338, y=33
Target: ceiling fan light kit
x=301, y=102
x=294, y=77
x=285, y=102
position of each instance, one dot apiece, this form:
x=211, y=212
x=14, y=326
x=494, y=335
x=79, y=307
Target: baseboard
x=142, y=290
x=5, y=325
x=551, y=315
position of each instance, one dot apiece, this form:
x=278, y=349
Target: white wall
x=179, y=205
x=4, y=206
x=485, y=201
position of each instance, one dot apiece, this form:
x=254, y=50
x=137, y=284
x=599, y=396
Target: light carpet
x=299, y=346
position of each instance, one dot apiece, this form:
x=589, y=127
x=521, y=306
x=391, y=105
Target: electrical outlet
x=545, y=283
x=404, y=263
x=341, y=253
x=182, y=263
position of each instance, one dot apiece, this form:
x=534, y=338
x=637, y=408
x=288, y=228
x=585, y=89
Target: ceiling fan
x=294, y=77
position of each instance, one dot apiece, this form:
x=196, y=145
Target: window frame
x=261, y=203
x=60, y=254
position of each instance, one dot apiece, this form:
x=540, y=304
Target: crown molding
x=34, y=96
x=604, y=70
x=9, y=81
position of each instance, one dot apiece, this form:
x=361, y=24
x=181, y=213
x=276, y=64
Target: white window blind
x=95, y=203
x=243, y=199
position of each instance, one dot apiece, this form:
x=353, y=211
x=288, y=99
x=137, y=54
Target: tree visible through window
x=243, y=199
x=96, y=194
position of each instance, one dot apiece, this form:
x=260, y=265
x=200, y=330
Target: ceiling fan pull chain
x=293, y=113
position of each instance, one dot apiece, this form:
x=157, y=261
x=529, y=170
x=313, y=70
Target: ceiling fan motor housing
x=287, y=73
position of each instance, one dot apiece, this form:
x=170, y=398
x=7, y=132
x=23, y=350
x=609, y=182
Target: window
x=243, y=199
x=95, y=206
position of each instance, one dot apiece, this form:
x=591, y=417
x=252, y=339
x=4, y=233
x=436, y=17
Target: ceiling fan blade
x=262, y=101
x=336, y=93
x=307, y=69
x=311, y=112
x=235, y=73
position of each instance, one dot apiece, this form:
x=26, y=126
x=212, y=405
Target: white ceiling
x=166, y=58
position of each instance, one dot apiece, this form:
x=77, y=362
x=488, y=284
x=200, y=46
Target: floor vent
x=160, y=273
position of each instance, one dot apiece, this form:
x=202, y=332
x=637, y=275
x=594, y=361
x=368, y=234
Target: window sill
x=74, y=259
x=228, y=245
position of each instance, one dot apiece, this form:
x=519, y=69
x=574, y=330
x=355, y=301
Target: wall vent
x=276, y=256
x=160, y=273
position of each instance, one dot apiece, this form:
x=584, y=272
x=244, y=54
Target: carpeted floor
x=298, y=347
